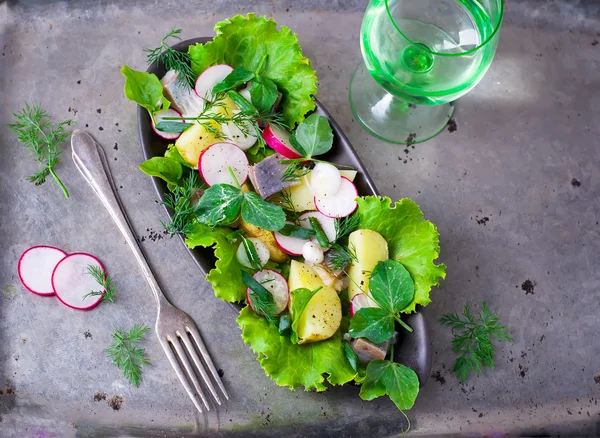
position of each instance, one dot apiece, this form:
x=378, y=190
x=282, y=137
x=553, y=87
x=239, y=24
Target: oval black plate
x=413, y=349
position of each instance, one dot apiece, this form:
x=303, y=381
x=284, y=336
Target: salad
x=324, y=275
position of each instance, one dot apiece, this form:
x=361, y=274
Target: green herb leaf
x=351, y=356
x=263, y=214
x=285, y=324
x=384, y=377
x=319, y=233
x=263, y=93
x=236, y=78
x=219, y=205
x=299, y=298
x=172, y=59
x=251, y=254
x=297, y=232
x=315, y=135
x=144, y=89
x=260, y=300
x=164, y=168
x=167, y=126
x=391, y=286
x=173, y=153
x=125, y=353
x=108, y=290
x=372, y=323
x=345, y=226
x=242, y=103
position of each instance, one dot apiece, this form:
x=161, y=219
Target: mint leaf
x=263, y=214
x=263, y=93
x=165, y=168
x=372, y=323
x=384, y=377
x=391, y=286
x=236, y=78
x=219, y=205
x=299, y=299
x=144, y=89
x=314, y=134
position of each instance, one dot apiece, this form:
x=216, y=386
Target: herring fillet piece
x=267, y=174
x=182, y=98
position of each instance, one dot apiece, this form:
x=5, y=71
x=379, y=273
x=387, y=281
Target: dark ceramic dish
x=413, y=349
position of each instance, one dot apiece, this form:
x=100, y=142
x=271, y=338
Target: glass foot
x=390, y=118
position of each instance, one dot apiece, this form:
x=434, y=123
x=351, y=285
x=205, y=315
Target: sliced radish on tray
x=261, y=250
x=342, y=204
x=215, y=161
x=361, y=301
x=326, y=222
x=159, y=118
x=279, y=140
x=36, y=266
x=72, y=282
x=325, y=180
x=211, y=77
x=290, y=245
x=276, y=284
x=236, y=136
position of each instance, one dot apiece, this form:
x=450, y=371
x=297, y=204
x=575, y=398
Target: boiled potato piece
x=323, y=313
x=370, y=248
x=350, y=174
x=266, y=237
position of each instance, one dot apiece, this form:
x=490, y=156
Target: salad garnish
x=108, y=290
x=173, y=59
x=126, y=354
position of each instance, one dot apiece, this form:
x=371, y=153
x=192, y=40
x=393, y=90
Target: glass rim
x=427, y=49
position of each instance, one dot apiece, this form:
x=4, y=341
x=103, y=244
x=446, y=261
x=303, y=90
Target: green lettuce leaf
x=254, y=43
x=226, y=276
x=400, y=383
x=412, y=240
x=295, y=365
x=144, y=89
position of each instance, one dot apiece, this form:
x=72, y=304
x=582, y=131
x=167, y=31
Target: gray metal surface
x=525, y=156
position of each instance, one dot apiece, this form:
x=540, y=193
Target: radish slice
x=279, y=140
x=342, y=204
x=159, y=117
x=290, y=245
x=326, y=222
x=211, y=77
x=72, y=282
x=237, y=137
x=261, y=250
x=217, y=158
x=36, y=266
x=361, y=301
x=325, y=180
x=276, y=284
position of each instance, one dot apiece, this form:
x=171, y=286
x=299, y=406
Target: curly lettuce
x=294, y=365
x=255, y=44
x=412, y=240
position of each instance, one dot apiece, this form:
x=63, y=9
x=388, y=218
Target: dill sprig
x=125, y=353
x=345, y=226
x=284, y=198
x=33, y=128
x=294, y=171
x=260, y=300
x=103, y=280
x=472, y=339
x=339, y=257
x=181, y=202
x=173, y=59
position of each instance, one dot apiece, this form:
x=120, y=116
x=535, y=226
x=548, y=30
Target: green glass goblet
x=419, y=57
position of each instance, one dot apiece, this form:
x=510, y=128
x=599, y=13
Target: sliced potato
x=193, y=141
x=370, y=248
x=350, y=174
x=302, y=275
x=266, y=237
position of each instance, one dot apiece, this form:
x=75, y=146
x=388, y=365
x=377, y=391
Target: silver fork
x=177, y=333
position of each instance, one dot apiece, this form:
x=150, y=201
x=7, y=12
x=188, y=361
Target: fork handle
x=90, y=159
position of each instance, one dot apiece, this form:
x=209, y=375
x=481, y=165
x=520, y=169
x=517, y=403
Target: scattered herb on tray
x=108, y=289
x=473, y=339
x=33, y=127
x=125, y=353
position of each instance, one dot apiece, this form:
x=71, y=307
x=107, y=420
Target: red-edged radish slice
x=261, y=250
x=211, y=77
x=72, y=281
x=325, y=180
x=361, y=301
x=276, y=284
x=159, y=117
x=215, y=160
x=36, y=266
x=279, y=140
x=237, y=137
x=326, y=222
x=290, y=245
x=342, y=204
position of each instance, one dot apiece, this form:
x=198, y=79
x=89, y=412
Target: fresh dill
x=33, y=128
x=339, y=257
x=125, y=353
x=173, y=59
x=104, y=280
x=294, y=171
x=345, y=226
x=284, y=199
x=260, y=300
x=181, y=202
x=472, y=339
